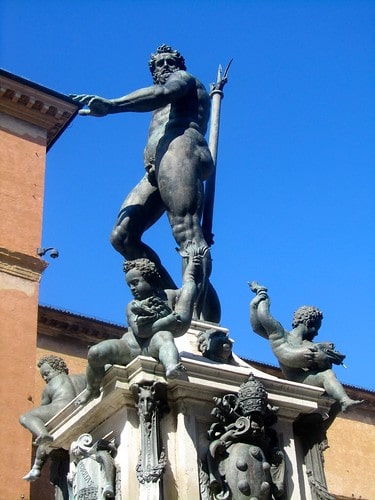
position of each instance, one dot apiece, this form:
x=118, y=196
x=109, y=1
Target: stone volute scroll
x=92, y=474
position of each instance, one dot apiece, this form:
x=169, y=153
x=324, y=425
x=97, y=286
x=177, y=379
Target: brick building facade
x=31, y=119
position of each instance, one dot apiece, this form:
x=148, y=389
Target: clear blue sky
x=294, y=205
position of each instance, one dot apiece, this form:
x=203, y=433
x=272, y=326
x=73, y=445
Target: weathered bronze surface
x=60, y=390
x=300, y=359
x=215, y=345
x=177, y=162
x=243, y=458
x=155, y=318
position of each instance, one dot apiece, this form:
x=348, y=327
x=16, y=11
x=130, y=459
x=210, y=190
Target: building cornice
x=21, y=265
x=40, y=106
x=76, y=328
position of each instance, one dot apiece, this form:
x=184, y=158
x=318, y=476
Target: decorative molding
x=71, y=327
x=151, y=402
x=21, y=265
x=243, y=456
x=75, y=328
x=92, y=472
x=35, y=104
x=311, y=430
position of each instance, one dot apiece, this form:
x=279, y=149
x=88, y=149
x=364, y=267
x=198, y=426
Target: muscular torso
x=185, y=119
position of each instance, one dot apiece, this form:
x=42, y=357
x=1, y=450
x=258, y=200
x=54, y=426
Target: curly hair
x=146, y=267
x=55, y=362
x=166, y=49
x=308, y=316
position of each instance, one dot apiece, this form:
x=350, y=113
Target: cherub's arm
x=262, y=322
x=296, y=356
x=47, y=395
x=193, y=269
x=255, y=322
x=130, y=316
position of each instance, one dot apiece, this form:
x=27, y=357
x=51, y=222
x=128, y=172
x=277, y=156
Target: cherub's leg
x=40, y=459
x=172, y=323
x=35, y=420
x=162, y=347
x=107, y=352
x=140, y=210
x=335, y=390
x=328, y=380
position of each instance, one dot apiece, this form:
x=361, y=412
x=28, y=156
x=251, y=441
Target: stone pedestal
x=179, y=443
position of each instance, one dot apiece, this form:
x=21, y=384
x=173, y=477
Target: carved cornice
x=367, y=395
x=71, y=327
x=35, y=104
x=21, y=265
x=76, y=328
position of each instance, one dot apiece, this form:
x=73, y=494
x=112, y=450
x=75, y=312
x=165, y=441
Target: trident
x=216, y=94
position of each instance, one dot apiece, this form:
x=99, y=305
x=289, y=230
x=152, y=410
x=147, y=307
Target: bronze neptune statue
x=177, y=162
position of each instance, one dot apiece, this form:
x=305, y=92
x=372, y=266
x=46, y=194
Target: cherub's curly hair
x=308, y=316
x=55, y=362
x=146, y=267
x=166, y=49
